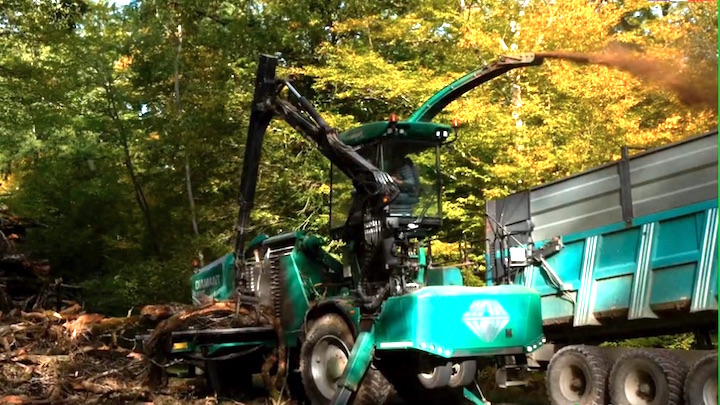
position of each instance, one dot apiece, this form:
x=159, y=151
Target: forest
x=122, y=126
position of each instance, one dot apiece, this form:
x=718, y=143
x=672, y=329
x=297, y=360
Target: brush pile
x=73, y=357
x=68, y=357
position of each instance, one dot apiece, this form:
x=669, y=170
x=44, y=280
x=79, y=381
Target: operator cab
x=410, y=153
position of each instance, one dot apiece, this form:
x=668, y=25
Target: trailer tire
x=572, y=365
x=401, y=372
x=463, y=374
x=332, y=330
x=701, y=382
x=648, y=376
x=440, y=377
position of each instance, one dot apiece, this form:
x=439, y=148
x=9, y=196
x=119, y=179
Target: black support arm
x=374, y=187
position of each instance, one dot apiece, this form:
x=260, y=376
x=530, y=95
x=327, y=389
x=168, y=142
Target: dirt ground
x=72, y=357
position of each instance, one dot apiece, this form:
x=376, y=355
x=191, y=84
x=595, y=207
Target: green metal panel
x=307, y=279
x=454, y=321
x=296, y=300
x=422, y=265
x=444, y=276
x=216, y=280
x=411, y=131
x=359, y=360
x=213, y=349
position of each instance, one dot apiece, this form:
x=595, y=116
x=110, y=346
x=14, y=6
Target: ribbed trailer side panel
x=640, y=244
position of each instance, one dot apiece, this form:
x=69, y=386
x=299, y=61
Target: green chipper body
x=445, y=318
x=457, y=321
x=378, y=313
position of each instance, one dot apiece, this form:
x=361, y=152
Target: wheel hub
x=640, y=387
x=329, y=359
x=455, y=369
x=573, y=383
x=710, y=391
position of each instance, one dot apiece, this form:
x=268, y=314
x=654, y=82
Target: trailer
x=623, y=250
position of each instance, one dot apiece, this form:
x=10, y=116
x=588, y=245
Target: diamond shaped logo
x=486, y=318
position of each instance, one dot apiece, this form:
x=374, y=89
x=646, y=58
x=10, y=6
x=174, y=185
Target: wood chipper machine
x=349, y=329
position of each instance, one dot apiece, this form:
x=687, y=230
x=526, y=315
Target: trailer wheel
x=323, y=357
x=463, y=374
x=401, y=370
x=701, y=383
x=437, y=378
x=648, y=378
x=577, y=375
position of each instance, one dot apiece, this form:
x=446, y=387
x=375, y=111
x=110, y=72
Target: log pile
x=215, y=315
x=52, y=351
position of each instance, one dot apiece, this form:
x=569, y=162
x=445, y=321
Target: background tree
x=110, y=117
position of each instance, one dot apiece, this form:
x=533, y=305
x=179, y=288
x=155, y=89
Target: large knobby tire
x=702, y=381
x=646, y=377
x=577, y=375
x=323, y=357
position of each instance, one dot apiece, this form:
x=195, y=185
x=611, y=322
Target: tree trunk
x=128, y=162
x=178, y=106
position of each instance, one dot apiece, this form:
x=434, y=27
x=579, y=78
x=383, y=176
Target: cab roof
x=402, y=130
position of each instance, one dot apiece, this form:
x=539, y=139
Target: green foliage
x=105, y=114
x=683, y=341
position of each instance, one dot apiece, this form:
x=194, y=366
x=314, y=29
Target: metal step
x=511, y=376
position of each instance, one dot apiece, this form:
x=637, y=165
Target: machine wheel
x=463, y=374
x=643, y=377
x=701, y=383
x=577, y=375
x=323, y=357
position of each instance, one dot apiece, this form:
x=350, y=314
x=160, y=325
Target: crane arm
x=374, y=187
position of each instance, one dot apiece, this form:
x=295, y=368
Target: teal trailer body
x=624, y=250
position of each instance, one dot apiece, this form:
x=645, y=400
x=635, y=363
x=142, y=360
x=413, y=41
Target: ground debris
x=73, y=357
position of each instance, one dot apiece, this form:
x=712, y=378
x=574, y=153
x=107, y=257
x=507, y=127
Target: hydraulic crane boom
x=374, y=187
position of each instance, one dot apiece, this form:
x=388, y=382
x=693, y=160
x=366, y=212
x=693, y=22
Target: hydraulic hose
x=373, y=302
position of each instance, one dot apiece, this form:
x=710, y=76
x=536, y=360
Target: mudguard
x=457, y=321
